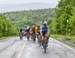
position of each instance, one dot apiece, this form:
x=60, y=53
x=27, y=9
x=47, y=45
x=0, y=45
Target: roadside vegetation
x=63, y=24
x=6, y=28
x=64, y=20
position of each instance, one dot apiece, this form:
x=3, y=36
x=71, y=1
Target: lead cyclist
x=45, y=33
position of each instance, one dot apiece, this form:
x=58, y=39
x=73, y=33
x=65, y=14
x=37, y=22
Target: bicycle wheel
x=45, y=47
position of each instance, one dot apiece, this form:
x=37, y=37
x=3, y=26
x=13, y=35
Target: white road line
x=20, y=53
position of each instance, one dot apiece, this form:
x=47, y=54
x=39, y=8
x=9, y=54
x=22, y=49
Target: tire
x=28, y=36
x=39, y=41
x=21, y=37
x=34, y=37
x=45, y=47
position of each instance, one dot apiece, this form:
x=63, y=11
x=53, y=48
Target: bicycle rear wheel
x=45, y=47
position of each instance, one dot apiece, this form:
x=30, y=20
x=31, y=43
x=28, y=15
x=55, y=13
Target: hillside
x=22, y=18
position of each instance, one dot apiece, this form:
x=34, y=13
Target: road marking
x=20, y=53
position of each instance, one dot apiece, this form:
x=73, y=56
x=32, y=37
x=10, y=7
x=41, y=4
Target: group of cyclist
x=40, y=32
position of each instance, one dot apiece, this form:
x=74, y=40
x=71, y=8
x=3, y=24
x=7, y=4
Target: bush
x=6, y=28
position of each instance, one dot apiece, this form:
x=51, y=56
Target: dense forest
x=64, y=20
x=23, y=18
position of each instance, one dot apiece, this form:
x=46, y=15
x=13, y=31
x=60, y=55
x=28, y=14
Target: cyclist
x=28, y=29
x=28, y=32
x=21, y=33
x=38, y=29
x=44, y=32
x=34, y=32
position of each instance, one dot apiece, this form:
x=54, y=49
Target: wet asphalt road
x=16, y=48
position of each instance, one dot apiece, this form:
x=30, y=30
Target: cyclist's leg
x=33, y=35
x=47, y=38
x=43, y=35
x=38, y=35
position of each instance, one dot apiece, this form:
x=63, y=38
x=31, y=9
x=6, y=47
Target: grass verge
x=70, y=40
x=6, y=37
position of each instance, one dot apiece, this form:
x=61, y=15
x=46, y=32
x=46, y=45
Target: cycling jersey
x=27, y=29
x=37, y=29
x=33, y=28
x=44, y=28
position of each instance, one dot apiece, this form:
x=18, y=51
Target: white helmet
x=45, y=22
x=28, y=27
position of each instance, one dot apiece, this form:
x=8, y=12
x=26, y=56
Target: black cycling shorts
x=44, y=33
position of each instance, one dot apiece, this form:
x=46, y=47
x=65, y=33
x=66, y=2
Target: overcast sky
x=7, y=4
x=26, y=1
